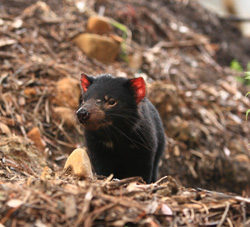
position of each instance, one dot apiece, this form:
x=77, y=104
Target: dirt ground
x=184, y=53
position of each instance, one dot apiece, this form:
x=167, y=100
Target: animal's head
x=107, y=100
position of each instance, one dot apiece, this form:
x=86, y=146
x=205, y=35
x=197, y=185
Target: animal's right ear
x=86, y=81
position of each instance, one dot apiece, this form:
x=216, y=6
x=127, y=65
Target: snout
x=82, y=114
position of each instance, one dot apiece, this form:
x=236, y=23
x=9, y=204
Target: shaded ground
x=184, y=53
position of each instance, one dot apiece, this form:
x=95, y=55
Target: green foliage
x=247, y=77
x=121, y=27
x=247, y=113
x=124, y=30
x=248, y=67
x=235, y=65
x=243, y=80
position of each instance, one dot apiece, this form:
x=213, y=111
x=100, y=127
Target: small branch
x=224, y=214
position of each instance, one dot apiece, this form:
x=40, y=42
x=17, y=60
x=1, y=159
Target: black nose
x=82, y=114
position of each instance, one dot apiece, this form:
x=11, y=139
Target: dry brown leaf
x=70, y=207
x=4, y=129
x=35, y=135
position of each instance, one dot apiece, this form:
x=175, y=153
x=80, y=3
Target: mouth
x=94, y=126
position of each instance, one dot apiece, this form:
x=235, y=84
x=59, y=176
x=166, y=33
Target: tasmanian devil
x=123, y=131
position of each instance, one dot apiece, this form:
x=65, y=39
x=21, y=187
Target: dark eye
x=111, y=102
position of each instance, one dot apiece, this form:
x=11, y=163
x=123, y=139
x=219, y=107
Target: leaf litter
x=183, y=52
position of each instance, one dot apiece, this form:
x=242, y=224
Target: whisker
x=130, y=139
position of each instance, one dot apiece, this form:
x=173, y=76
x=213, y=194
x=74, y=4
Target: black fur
x=131, y=139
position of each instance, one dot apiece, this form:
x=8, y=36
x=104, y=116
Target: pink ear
x=139, y=88
x=85, y=82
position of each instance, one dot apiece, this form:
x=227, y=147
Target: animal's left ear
x=86, y=81
x=139, y=88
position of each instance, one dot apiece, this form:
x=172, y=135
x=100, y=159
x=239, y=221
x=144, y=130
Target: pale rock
x=66, y=115
x=14, y=203
x=78, y=164
x=102, y=48
x=98, y=25
x=67, y=93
